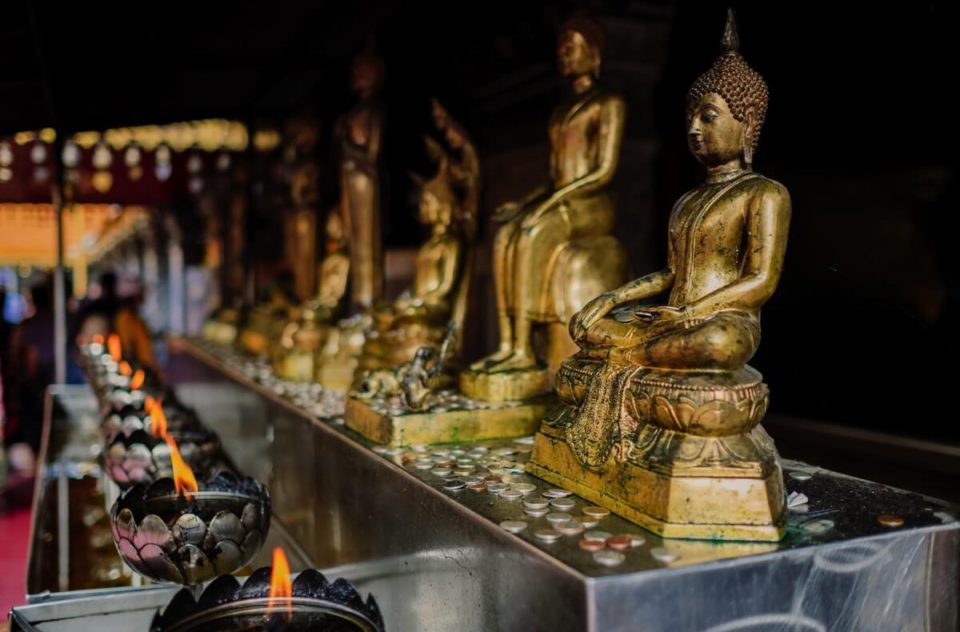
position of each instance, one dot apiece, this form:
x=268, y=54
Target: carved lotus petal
x=252, y=543
x=226, y=557
x=124, y=526
x=189, y=529
x=153, y=530
x=130, y=555
x=225, y=526
x=251, y=516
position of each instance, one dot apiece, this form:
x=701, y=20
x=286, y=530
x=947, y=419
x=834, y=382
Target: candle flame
x=183, y=479
x=281, y=586
x=113, y=346
x=97, y=339
x=126, y=369
x=138, y=379
x=158, y=418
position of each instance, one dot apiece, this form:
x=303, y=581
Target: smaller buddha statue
x=419, y=316
x=553, y=250
x=304, y=337
x=661, y=412
x=267, y=319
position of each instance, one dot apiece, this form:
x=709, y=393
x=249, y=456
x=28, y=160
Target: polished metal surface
x=839, y=567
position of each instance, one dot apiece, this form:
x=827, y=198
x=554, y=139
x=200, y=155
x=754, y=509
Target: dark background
x=861, y=129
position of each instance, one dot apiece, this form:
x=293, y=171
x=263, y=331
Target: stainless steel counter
x=837, y=569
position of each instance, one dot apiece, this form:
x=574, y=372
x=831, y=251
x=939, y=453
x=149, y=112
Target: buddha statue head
x=726, y=107
x=452, y=132
x=580, y=47
x=334, y=233
x=366, y=72
x=438, y=203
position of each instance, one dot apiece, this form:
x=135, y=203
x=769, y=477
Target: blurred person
x=31, y=369
x=109, y=313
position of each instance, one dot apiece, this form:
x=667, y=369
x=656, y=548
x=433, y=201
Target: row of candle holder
x=182, y=517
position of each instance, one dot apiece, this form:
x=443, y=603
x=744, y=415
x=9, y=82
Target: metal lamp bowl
x=166, y=538
x=316, y=605
x=142, y=458
x=130, y=419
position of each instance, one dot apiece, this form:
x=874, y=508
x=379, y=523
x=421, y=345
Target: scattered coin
x=514, y=526
x=608, y=558
x=796, y=499
x=441, y=453
x=496, y=488
x=504, y=451
x=596, y=512
x=380, y=449
x=536, y=513
x=536, y=502
x=441, y=471
x=587, y=522
x=547, y=535
x=419, y=448
x=888, y=520
x=568, y=528
x=559, y=493
x=454, y=484
x=664, y=555
x=471, y=480
x=801, y=476
x=524, y=440
x=525, y=488
x=637, y=540
x=423, y=465
x=818, y=527
x=591, y=545
x=458, y=452
x=511, y=494
x=600, y=536
x=619, y=542
x=564, y=504
x=559, y=517
x=477, y=487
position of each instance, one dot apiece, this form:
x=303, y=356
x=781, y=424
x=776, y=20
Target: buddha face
x=430, y=207
x=334, y=232
x=575, y=56
x=714, y=135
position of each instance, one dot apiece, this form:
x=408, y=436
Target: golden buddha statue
x=266, y=320
x=553, y=251
x=303, y=338
x=419, y=317
x=359, y=133
x=661, y=413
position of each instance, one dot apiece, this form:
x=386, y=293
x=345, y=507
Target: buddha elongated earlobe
x=748, y=147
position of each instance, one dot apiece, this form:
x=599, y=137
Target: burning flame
x=281, y=586
x=158, y=418
x=113, y=346
x=125, y=368
x=138, y=379
x=183, y=478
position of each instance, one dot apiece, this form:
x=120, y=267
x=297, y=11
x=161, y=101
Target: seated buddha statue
x=726, y=245
x=660, y=416
x=419, y=316
x=545, y=241
x=303, y=338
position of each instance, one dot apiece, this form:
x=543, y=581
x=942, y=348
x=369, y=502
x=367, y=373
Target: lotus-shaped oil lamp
x=311, y=603
x=173, y=416
x=141, y=457
x=176, y=530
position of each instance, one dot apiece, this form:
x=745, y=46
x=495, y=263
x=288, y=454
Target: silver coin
x=596, y=512
x=550, y=494
x=496, y=488
x=608, y=558
x=394, y=451
x=441, y=471
x=441, y=453
x=558, y=493
x=636, y=539
x=547, y=535
x=504, y=451
x=419, y=447
x=510, y=494
x=536, y=513
x=536, y=502
x=381, y=449
x=563, y=504
x=525, y=488
x=664, y=555
x=800, y=476
x=479, y=451
x=568, y=528
x=458, y=452
x=557, y=517
x=465, y=462
x=524, y=440
x=587, y=522
x=454, y=484
x=470, y=480
x=597, y=535
x=423, y=466
x=514, y=526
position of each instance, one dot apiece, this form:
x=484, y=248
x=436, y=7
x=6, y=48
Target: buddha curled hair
x=732, y=78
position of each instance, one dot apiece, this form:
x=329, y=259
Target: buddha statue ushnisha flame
x=665, y=387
